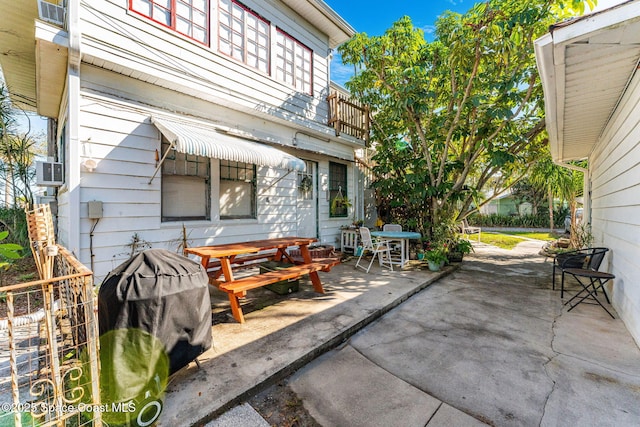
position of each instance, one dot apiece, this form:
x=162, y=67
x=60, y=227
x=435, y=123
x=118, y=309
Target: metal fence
x=49, y=367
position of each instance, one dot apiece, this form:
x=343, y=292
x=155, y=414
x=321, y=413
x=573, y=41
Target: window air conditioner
x=49, y=174
x=50, y=12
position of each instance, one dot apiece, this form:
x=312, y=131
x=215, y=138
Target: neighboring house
x=506, y=204
x=215, y=115
x=589, y=69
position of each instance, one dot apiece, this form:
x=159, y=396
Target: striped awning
x=200, y=139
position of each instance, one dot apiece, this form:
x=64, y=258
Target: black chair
x=584, y=264
x=571, y=259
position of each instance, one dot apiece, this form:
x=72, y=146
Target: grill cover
x=161, y=293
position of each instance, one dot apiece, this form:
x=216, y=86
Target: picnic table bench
x=237, y=254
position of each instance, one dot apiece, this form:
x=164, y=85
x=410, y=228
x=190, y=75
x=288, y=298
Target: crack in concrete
x=546, y=366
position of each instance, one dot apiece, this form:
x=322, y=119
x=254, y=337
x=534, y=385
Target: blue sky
x=374, y=17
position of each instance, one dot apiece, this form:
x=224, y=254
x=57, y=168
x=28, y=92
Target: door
x=308, y=200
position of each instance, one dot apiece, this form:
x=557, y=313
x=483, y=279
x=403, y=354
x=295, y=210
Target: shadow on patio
x=490, y=340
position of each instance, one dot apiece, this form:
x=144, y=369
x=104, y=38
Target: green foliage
x=455, y=116
x=463, y=246
x=517, y=221
x=14, y=221
x=9, y=252
x=17, y=153
x=436, y=255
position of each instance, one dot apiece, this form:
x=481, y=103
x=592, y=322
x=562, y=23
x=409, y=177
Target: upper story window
x=244, y=35
x=188, y=17
x=293, y=62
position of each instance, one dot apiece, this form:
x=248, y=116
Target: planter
x=455, y=256
x=282, y=287
x=434, y=266
x=420, y=256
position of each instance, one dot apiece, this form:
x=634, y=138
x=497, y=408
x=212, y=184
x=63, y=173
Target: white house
x=589, y=69
x=215, y=115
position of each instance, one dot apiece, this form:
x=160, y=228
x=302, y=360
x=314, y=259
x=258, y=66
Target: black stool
x=597, y=280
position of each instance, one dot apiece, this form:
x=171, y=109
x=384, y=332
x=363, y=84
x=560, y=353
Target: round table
x=403, y=237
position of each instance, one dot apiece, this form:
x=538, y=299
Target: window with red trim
x=243, y=35
x=188, y=17
x=293, y=62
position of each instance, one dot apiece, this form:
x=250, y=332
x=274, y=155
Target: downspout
x=73, y=123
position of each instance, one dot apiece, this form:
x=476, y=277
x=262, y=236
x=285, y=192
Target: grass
x=509, y=239
x=500, y=240
x=547, y=237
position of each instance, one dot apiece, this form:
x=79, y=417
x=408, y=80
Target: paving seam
x=324, y=347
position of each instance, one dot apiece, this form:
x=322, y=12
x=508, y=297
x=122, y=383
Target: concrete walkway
x=489, y=343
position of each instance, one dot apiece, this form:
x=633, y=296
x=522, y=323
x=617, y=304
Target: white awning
x=202, y=140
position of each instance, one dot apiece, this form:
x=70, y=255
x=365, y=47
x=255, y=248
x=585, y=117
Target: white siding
x=119, y=136
x=127, y=43
x=615, y=206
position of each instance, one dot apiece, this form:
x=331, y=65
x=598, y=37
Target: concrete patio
x=489, y=342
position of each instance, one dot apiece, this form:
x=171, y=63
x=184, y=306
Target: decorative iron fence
x=49, y=366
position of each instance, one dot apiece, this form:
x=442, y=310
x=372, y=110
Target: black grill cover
x=164, y=294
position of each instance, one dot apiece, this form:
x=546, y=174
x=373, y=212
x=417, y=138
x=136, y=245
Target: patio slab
x=283, y=336
x=489, y=342
x=493, y=342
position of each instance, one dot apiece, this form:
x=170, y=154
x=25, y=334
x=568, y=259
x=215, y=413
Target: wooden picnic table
x=233, y=253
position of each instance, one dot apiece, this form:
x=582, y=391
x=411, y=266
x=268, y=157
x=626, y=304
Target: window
x=338, y=190
x=186, y=192
x=293, y=62
x=237, y=190
x=188, y=17
x=244, y=35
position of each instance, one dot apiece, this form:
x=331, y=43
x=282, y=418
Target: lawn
x=509, y=239
x=546, y=237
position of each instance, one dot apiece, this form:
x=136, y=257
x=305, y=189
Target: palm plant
x=558, y=181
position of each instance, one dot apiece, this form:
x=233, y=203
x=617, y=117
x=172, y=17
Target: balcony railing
x=348, y=117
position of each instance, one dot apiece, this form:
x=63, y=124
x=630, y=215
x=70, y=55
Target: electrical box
x=95, y=209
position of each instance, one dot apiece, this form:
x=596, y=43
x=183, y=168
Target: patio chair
x=392, y=227
x=466, y=229
x=590, y=258
x=395, y=247
x=589, y=270
x=378, y=247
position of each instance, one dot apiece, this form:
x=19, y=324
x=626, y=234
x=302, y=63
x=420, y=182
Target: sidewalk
x=490, y=343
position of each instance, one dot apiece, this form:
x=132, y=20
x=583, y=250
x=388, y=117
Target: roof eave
x=322, y=16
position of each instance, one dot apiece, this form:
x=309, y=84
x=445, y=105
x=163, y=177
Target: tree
x=17, y=154
x=558, y=182
x=458, y=117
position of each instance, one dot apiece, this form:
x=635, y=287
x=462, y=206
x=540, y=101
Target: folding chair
x=587, y=271
x=379, y=248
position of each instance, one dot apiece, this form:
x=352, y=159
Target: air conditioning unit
x=49, y=174
x=50, y=12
